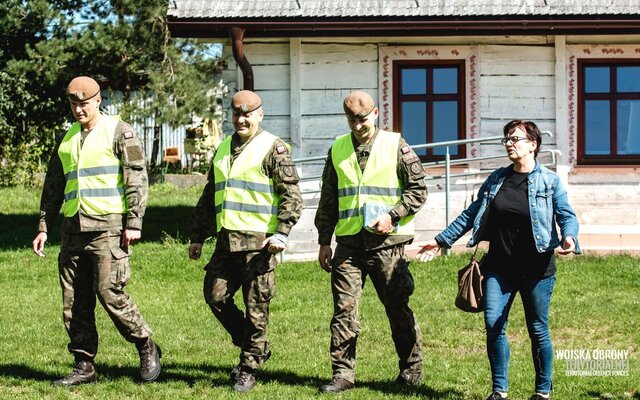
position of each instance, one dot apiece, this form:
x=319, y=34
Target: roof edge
x=505, y=25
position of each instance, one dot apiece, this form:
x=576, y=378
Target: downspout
x=237, y=35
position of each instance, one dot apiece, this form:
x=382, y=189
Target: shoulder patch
x=288, y=170
x=128, y=135
x=416, y=168
x=405, y=149
x=281, y=149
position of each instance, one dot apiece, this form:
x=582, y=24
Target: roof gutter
x=184, y=27
x=237, y=45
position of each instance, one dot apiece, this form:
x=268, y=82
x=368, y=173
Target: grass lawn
x=596, y=306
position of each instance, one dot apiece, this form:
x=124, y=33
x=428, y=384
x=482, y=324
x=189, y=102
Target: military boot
x=83, y=372
x=337, y=385
x=245, y=381
x=150, y=354
x=409, y=378
x=235, y=371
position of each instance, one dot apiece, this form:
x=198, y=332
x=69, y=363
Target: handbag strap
x=473, y=257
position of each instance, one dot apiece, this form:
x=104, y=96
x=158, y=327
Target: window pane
x=445, y=125
x=414, y=81
x=628, y=79
x=597, y=128
x=414, y=123
x=445, y=80
x=628, y=127
x=596, y=80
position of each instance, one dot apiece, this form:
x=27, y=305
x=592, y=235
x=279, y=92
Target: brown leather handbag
x=470, y=296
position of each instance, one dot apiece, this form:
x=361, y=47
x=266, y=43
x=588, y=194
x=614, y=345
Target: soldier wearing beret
x=372, y=186
x=97, y=176
x=250, y=203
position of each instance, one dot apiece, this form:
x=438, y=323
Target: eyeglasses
x=512, y=139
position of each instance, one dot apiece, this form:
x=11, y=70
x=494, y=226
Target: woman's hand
x=428, y=251
x=568, y=246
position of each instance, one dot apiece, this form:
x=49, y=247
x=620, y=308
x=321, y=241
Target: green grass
x=596, y=305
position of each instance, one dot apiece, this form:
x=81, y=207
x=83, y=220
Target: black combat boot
x=337, y=385
x=83, y=372
x=150, y=354
x=235, y=371
x=409, y=378
x=245, y=381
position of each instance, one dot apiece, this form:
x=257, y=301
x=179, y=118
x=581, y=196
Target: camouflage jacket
x=129, y=150
x=278, y=165
x=414, y=195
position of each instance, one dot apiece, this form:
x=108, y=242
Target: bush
x=21, y=165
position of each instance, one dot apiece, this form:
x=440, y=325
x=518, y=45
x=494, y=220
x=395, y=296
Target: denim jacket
x=548, y=205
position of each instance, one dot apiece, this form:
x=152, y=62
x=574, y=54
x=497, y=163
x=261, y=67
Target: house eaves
x=305, y=18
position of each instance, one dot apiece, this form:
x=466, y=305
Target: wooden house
x=449, y=70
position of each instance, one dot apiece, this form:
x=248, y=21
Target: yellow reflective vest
x=378, y=185
x=245, y=197
x=93, y=173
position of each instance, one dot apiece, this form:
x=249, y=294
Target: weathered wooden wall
x=303, y=81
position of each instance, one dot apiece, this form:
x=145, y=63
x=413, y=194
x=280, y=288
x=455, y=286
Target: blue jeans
x=535, y=295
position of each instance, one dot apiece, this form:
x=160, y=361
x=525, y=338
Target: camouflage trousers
x=388, y=269
x=254, y=272
x=92, y=264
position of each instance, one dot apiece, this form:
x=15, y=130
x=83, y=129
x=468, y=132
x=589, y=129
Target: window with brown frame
x=429, y=104
x=609, y=112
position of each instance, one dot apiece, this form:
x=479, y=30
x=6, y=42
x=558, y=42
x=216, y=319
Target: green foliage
x=20, y=164
x=124, y=44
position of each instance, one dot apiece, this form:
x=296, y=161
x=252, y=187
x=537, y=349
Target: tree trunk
x=157, y=131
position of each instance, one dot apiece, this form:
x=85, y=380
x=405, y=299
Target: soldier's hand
x=382, y=224
x=130, y=236
x=324, y=257
x=277, y=243
x=195, y=251
x=38, y=243
x=428, y=251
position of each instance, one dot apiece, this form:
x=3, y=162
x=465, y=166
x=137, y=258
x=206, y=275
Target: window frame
x=613, y=97
x=430, y=98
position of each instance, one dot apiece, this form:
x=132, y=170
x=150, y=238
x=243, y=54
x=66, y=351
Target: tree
x=125, y=44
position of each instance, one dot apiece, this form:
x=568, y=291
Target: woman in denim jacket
x=516, y=210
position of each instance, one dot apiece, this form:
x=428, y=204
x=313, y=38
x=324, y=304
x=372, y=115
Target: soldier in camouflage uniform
x=375, y=250
x=97, y=176
x=254, y=168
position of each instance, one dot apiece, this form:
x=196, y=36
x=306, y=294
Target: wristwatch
x=395, y=218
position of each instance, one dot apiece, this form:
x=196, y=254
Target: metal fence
x=447, y=163
x=169, y=136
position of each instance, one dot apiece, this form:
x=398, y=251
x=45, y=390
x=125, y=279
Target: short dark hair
x=531, y=129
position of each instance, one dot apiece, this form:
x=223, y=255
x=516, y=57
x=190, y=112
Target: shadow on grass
x=171, y=372
x=390, y=387
x=607, y=396
x=18, y=230
x=23, y=371
x=159, y=222
x=191, y=373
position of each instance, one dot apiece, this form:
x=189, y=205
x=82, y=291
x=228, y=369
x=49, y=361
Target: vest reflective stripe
x=230, y=205
x=113, y=169
x=378, y=184
x=354, y=212
x=93, y=173
x=109, y=192
x=245, y=197
x=378, y=191
x=238, y=184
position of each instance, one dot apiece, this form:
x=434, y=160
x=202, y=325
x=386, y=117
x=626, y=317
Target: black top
x=512, y=250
